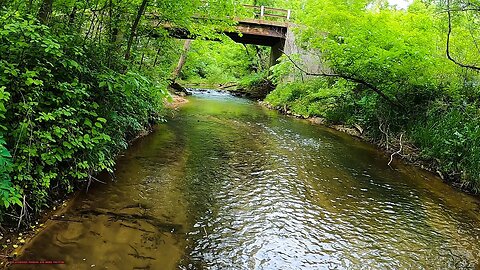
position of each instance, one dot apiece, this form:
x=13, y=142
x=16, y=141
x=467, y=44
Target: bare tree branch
x=448, y=42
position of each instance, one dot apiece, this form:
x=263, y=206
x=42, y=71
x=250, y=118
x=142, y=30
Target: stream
x=228, y=184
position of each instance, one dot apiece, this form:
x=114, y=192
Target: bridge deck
x=259, y=32
x=263, y=22
x=267, y=26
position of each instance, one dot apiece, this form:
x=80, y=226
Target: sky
x=401, y=4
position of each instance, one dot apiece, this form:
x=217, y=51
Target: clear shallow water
x=227, y=184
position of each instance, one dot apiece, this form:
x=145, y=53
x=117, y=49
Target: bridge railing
x=269, y=13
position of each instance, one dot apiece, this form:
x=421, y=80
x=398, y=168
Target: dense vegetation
x=227, y=63
x=78, y=80
x=390, y=72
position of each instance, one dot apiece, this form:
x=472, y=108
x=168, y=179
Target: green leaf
x=38, y=82
x=29, y=81
x=103, y=120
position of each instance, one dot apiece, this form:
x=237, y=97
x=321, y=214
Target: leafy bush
x=316, y=97
x=9, y=194
x=450, y=135
x=66, y=114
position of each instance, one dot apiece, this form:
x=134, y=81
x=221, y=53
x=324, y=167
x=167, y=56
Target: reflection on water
x=227, y=184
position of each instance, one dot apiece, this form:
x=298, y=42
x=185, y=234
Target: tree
x=134, y=27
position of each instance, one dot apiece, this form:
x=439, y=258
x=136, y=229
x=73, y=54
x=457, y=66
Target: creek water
x=228, y=184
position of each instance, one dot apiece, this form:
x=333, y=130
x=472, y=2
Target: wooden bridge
x=264, y=26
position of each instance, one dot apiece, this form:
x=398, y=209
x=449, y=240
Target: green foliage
x=72, y=95
x=46, y=126
x=133, y=101
x=9, y=194
x=227, y=62
x=402, y=54
x=450, y=135
x=253, y=80
x=66, y=112
x=316, y=97
x=285, y=70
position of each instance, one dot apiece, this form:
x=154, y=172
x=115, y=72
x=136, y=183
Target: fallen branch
x=348, y=78
x=397, y=152
x=90, y=177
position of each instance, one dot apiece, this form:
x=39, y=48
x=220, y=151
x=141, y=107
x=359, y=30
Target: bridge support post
x=276, y=51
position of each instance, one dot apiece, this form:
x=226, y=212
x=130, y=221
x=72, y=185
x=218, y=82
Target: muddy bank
x=176, y=102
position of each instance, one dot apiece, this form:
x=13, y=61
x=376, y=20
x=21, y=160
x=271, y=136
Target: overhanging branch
x=449, y=12
x=348, y=78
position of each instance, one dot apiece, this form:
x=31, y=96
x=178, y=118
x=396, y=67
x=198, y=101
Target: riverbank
x=395, y=148
x=176, y=102
x=13, y=241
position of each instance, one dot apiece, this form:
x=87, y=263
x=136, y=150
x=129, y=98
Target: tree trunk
x=183, y=58
x=156, y=57
x=143, y=54
x=134, y=28
x=45, y=11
